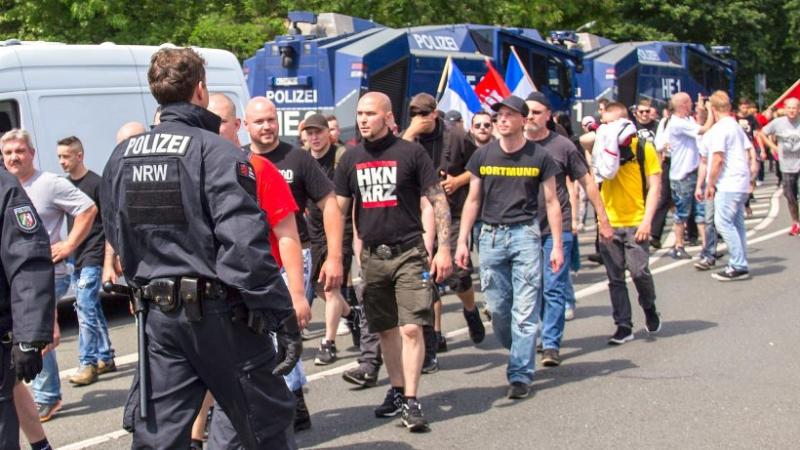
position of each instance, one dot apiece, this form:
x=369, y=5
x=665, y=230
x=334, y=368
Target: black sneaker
x=362, y=376
x=430, y=366
x=731, y=274
x=595, y=258
x=412, y=417
x=652, y=321
x=518, y=389
x=353, y=322
x=679, y=253
x=550, y=357
x=623, y=335
x=477, y=332
x=327, y=353
x=392, y=405
x=655, y=243
x=441, y=343
x=704, y=264
x=302, y=419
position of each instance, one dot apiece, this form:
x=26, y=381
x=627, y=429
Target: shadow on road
x=96, y=400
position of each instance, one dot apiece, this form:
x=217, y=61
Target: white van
x=56, y=90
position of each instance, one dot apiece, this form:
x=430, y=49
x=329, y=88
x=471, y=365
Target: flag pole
x=445, y=76
x=524, y=69
x=785, y=93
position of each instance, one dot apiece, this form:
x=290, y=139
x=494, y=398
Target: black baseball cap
x=452, y=116
x=512, y=102
x=315, y=121
x=538, y=97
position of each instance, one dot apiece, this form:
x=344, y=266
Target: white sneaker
x=569, y=313
x=343, y=329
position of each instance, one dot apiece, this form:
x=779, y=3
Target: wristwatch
x=31, y=347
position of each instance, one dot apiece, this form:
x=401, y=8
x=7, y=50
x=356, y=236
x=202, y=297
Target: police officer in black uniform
x=179, y=207
x=27, y=299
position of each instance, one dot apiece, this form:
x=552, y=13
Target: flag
x=491, y=89
x=517, y=78
x=793, y=91
x=459, y=96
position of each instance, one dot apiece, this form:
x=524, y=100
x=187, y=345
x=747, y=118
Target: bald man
x=129, y=129
x=385, y=177
x=782, y=136
x=307, y=182
x=221, y=105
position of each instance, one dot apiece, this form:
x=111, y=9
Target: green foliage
x=758, y=31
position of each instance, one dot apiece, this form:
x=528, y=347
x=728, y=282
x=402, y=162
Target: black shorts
x=318, y=255
x=790, y=187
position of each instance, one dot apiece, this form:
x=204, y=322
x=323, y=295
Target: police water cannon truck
x=328, y=60
x=632, y=71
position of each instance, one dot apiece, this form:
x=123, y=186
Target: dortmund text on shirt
x=500, y=171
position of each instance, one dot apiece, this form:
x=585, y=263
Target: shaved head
x=682, y=104
x=128, y=130
x=379, y=99
x=373, y=115
x=791, y=101
x=256, y=105
x=221, y=105
x=261, y=121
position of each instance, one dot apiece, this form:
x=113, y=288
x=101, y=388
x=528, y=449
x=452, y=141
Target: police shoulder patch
x=246, y=177
x=26, y=219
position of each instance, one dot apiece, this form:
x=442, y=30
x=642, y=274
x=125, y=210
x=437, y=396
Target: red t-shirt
x=274, y=197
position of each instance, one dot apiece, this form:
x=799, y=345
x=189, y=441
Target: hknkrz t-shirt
x=510, y=181
x=304, y=177
x=572, y=165
x=91, y=251
x=386, y=178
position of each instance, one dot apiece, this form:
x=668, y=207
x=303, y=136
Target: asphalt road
x=721, y=374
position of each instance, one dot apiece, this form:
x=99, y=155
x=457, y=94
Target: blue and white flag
x=517, y=78
x=459, y=96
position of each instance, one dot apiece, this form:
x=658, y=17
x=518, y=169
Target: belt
x=169, y=293
x=509, y=225
x=388, y=251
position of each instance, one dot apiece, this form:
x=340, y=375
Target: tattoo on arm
x=441, y=212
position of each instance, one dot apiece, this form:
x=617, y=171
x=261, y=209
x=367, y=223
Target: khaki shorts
x=394, y=291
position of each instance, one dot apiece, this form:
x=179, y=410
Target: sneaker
x=353, y=324
x=655, y=243
x=430, y=366
x=412, y=417
x=704, y=264
x=392, y=405
x=595, y=258
x=342, y=330
x=569, y=313
x=679, y=253
x=441, y=343
x=795, y=229
x=84, y=376
x=731, y=274
x=306, y=335
x=302, y=419
x=652, y=321
x=362, y=376
x=106, y=366
x=518, y=390
x=550, y=357
x=46, y=412
x=327, y=353
x=477, y=332
x=623, y=335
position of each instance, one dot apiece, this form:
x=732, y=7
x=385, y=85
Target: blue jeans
x=683, y=197
x=729, y=219
x=710, y=248
x=511, y=278
x=308, y=266
x=94, y=344
x=555, y=293
x=47, y=385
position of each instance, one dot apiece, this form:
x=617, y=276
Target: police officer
x=27, y=299
x=179, y=207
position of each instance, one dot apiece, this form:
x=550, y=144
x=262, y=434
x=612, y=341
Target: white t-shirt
x=728, y=137
x=682, y=135
x=53, y=197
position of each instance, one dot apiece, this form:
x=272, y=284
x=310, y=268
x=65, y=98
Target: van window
x=9, y=115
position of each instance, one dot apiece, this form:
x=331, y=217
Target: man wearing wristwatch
x=26, y=300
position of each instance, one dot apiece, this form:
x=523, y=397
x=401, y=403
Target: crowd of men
x=280, y=224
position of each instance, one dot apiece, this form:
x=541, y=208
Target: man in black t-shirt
x=450, y=149
x=557, y=284
x=386, y=177
x=308, y=184
x=95, y=354
x=507, y=175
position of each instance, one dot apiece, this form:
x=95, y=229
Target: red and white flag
x=492, y=88
x=793, y=91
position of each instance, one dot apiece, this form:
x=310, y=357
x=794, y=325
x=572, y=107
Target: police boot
x=85, y=376
x=302, y=419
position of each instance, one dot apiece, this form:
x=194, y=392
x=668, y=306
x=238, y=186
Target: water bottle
x=426, y=279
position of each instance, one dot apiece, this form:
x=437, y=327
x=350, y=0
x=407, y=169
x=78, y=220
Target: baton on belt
x=140, y=312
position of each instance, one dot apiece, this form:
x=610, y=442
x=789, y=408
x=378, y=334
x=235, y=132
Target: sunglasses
x=537, y=112
x=478, y=126
x=643, y=111
x=418, y=113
